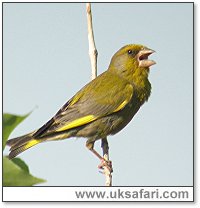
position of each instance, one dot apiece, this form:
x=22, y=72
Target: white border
x=9, y=190
x=64, y=194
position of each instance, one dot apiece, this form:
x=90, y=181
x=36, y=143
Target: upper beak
x=143, y=58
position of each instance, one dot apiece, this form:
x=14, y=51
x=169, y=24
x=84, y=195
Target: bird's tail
x=20, y=144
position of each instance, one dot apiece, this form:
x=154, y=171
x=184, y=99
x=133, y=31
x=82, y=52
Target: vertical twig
x=107, y=171
x=92, y=48
x=93, y=59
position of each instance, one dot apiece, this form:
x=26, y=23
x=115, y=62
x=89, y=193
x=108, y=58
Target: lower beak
x=143, y=58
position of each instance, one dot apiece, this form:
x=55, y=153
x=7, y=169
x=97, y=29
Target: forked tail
x=20, y=144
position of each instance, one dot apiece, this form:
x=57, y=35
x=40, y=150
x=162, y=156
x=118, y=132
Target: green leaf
x=13, y=175
x=9, y=123
x=19, y=162
x=15, y=171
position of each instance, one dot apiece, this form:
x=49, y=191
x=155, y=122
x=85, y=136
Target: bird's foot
x=107, y=164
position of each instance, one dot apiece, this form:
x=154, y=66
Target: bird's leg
x=90, y=146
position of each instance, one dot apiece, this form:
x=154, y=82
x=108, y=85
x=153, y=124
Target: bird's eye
x=130, y=51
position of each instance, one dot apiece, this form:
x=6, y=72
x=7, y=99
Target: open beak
x=143, y=58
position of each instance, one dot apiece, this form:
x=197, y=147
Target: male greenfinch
x=102, y=107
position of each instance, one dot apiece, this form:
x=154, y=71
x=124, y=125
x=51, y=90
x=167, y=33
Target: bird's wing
x=99, y=98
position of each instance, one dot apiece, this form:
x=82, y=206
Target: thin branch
x=107, y=171
x=92, y=48
x=93, y=59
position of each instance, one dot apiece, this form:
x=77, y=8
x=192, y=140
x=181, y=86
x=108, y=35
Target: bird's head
x=131, y=62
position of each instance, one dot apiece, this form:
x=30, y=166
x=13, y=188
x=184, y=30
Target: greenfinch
x=102, y=107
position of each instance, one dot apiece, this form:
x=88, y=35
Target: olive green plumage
x=102, y=107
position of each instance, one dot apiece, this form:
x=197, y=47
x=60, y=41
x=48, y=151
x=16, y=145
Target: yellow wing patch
x=78, y=122
x=129, y=91
x=121, y=106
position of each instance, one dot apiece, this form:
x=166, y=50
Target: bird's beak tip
x=143, y=57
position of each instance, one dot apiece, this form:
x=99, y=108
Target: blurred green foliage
x=15, y=171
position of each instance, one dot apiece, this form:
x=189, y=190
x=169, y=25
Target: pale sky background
x=46, y=62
